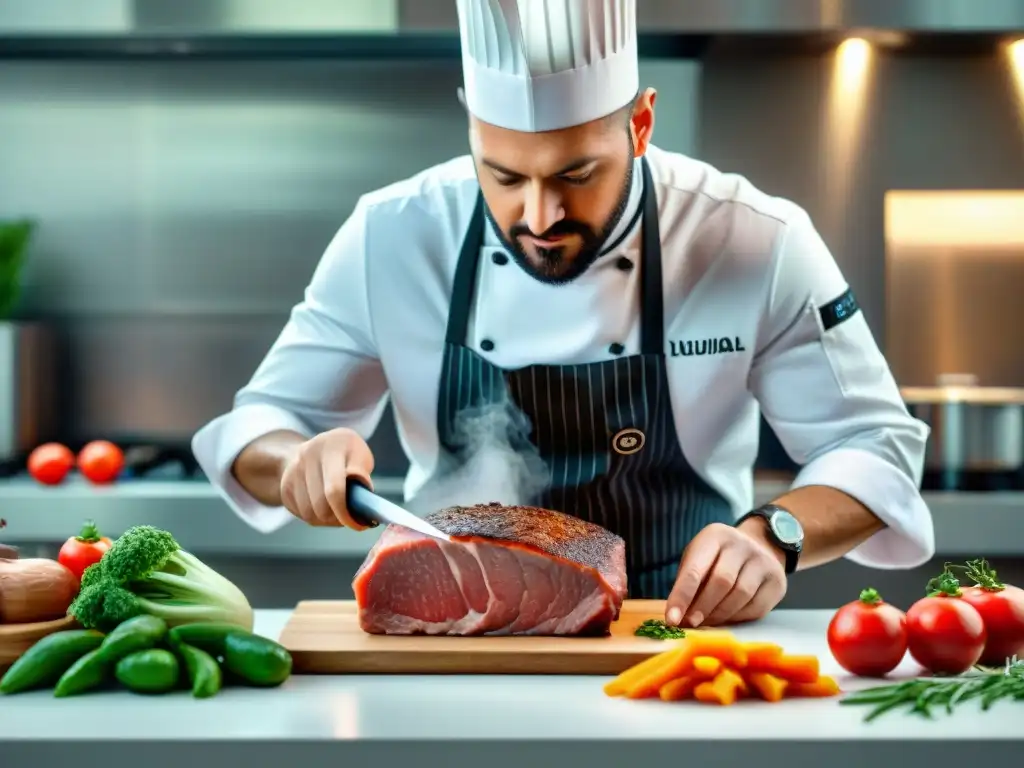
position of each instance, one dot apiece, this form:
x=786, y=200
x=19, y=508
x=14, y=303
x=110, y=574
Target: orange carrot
x=795, y=669
x=760, y=655
x=721, y=645
x=723, y=690
x=823, y=687
x=679, y=689
x=708, y=666
x=768, y=687
x=622, y=683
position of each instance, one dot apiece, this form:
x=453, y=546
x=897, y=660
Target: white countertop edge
x=513, y=709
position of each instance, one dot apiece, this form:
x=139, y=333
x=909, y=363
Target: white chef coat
x=737, y=263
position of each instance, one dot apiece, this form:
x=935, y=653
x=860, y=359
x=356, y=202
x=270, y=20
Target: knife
x=370, y=509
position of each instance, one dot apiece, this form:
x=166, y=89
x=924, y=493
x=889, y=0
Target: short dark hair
x=623, y=114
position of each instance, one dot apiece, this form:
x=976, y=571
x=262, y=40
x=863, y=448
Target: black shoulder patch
x=839, y=310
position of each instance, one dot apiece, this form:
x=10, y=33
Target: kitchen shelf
x=41, y=516
x=380, y=46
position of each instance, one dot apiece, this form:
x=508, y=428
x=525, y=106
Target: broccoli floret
x=146, y=571
x=103, y=605
x=139, y=552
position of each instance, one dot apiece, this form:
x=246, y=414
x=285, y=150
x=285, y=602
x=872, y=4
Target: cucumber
x=257, y=660
x=135, y=634
x=203, y=670
x=208, y=636
x=45, y=662
x=155, y=670
x=89, y=672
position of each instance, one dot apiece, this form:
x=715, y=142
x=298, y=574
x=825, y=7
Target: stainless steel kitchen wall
x=183, y=207
x=920, y=123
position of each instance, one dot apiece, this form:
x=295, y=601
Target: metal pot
x=976, y=430
x=28, y=387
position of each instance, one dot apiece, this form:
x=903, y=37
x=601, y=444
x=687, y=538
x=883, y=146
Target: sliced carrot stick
x=823, y=687
x=621, y=684
x=721, y=645
x=760, y=655
x=708, y=666
x=723, y=690
x=795, y=669
x=679, y=689
x=768, y=687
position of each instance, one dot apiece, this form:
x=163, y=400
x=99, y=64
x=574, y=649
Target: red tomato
x=81, y=551
x=50, y=463
x=868, y=637
x=101, y=461
x=1002, y=609
x=945, y=634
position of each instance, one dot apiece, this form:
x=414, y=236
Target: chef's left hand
x=727, y=575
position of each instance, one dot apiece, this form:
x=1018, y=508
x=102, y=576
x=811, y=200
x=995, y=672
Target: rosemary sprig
x=923, y=695
x=656, y=629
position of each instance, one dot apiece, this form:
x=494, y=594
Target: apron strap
x=652, y=310
x=652, y=313
x=464, y=285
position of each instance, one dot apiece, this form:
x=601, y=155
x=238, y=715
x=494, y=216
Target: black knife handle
x=361, y=502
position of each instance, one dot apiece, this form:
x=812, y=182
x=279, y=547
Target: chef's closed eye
x=507, y=180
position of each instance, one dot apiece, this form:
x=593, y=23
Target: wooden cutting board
x=324, y=637
x=15, y=639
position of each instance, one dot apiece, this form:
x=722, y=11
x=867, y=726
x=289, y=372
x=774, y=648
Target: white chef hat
x=541, y=65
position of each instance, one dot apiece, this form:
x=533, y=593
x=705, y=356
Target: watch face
x=787, y=527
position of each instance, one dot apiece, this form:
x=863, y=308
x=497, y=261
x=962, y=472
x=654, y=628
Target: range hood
x=379, y=27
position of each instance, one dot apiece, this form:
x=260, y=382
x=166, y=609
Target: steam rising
x=500, y=463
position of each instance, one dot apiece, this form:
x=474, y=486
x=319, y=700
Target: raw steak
x=508, y=571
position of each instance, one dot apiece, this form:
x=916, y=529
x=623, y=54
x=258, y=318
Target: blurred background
x=172, y=170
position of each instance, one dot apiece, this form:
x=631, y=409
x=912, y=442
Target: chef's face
x=556, y=196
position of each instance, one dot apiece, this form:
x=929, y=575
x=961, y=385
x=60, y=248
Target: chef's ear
x=641, y=124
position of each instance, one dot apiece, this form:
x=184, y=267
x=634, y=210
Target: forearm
x=259, y=466
x=834, y=523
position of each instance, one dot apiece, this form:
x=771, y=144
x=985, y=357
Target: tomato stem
x=870, y=596
x=90, y=534
x=945, y=584
x=982, y=574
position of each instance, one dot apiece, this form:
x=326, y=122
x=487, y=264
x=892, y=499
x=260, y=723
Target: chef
x=638, y=308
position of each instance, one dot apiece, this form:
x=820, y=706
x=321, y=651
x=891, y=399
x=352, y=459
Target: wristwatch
x=784, y=531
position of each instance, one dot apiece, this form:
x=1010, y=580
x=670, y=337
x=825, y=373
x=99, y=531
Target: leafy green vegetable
x=14, y=239
x=146, y=572
x=656, y=629
x=921, y=694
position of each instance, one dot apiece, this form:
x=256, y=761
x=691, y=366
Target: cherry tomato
x=101, y=461
x=945, y=633
x=868, y=637
x=50, y=463
x=81, y=551
x=1002, y=609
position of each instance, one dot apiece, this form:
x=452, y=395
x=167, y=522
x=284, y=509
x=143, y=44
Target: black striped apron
x=604, y=430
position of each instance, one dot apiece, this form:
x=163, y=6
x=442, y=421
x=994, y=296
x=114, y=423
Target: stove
x=155, y=460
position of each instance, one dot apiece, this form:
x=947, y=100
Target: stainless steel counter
x=992, y=523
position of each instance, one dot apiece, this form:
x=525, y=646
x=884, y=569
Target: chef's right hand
x=314, y=480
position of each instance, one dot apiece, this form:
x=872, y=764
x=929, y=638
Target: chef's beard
x=552, y=264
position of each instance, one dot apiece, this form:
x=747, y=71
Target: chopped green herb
x=656, y=629
x=922, y=694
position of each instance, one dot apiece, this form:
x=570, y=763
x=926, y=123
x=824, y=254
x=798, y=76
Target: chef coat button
x=486, y=345
x=616, y=348
x=499, y=258
x=624, y=264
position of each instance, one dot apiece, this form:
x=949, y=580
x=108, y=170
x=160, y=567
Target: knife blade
x=370, y=509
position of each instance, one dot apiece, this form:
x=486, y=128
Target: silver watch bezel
x=774, y=514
